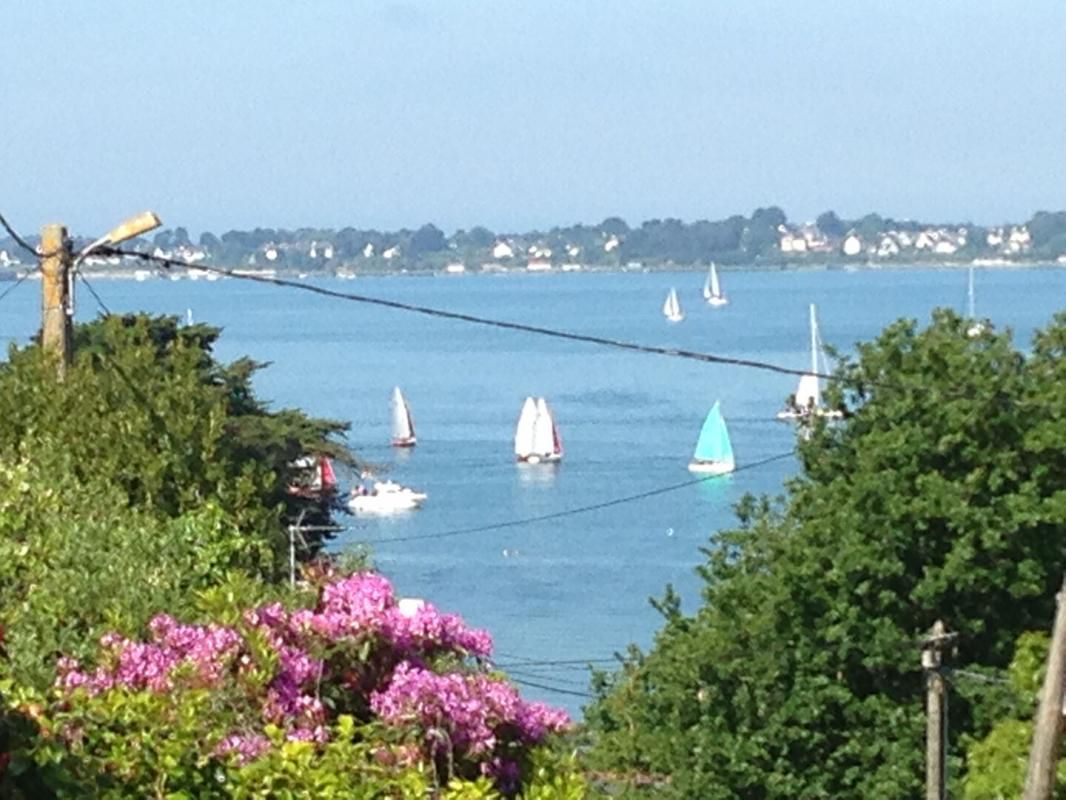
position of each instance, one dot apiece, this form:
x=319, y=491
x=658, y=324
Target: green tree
x=941, y=495
x=830, y=224
x=151, y=472
x=427, y=239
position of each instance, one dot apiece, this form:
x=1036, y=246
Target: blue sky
x=240, y=114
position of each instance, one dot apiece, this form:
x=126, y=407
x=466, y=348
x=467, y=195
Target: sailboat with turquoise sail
x=714, y=451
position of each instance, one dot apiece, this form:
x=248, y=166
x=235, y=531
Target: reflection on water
x=537, y=475
x=716, y=491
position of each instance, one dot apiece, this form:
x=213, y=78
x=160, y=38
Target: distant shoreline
x=192, y=273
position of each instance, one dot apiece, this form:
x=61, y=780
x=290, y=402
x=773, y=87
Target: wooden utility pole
x=56, y=326
x=936, y=713
x=1047, y=730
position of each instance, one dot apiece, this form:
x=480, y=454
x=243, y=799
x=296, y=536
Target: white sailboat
x=523, y=432
x=672, y=307
x=403, y=427
x=807, y=401
x=976, y=327
x=536, y=438
x=712, y=290
x=714, y=450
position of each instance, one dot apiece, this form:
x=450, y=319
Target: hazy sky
x=329, y=113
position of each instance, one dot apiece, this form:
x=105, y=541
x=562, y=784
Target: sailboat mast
x=971, y=310
x=814, y=342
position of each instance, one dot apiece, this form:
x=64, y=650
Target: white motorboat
x=385, y=497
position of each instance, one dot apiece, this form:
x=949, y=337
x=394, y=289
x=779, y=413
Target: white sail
x=807, y=400
x=808, y=392
x=672, y=307
x=403, y=428
x=712, y=290
x=523, y=434
x=546, y=441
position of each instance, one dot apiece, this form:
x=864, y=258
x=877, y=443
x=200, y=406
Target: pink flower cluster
x=360, y=648
x=199, y=654
x=470, y=712
x=364, y=605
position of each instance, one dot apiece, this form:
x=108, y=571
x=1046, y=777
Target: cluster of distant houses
x=1005, y=241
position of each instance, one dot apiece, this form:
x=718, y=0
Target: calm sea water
x=575, y=587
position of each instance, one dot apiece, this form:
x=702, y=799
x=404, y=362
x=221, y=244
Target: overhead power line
x=492, y=526
x=93, y=292
x=618, y=344
x=18, y=239
x=553, y=689
x=16, y=284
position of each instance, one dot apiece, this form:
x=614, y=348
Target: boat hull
x=371, y=504
x=788, y=415
x=712, y=467
x=410, y=441
x=717, y=302
x=539, y=459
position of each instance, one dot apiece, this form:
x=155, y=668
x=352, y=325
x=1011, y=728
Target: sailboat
x=976, y=327
x=536, y=438
x=315, y=478
x=403, y=427
x=712, y=290
x=672, y=307
x=807, y=401
x=546, y=433
x=714, y=451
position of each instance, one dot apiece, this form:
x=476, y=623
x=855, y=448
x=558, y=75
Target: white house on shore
x=852, y=245
x=502, y=250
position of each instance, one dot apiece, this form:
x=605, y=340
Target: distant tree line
x=754, y=239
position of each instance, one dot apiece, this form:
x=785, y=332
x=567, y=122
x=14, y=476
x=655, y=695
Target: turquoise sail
x=714, y=444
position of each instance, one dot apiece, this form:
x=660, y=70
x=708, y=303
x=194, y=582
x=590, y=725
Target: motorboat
x=384, y=497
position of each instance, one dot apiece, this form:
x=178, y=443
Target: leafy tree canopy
x=941, y=495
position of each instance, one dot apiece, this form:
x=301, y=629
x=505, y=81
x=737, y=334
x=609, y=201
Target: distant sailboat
x=976, y=327
x=807, y=401
x=403, y=427
x=672, y=307
x=712, y=291
x=714, y=451
x=536, y=437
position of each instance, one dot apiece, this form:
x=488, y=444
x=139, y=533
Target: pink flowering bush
x=412, y=685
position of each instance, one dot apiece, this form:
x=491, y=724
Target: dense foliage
x=149, y=473
x=941, y=495
x=347, y=693
x=149, y=486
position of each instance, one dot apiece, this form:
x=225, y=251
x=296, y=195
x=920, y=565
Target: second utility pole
x=56, y=328
x=936, y=720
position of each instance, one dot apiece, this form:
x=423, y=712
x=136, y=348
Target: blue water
x=575, y=587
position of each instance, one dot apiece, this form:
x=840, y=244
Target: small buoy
x=669, y=531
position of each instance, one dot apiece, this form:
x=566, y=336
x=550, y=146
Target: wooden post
x=55, y=286
x=936, y=714
x=1047, y=729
